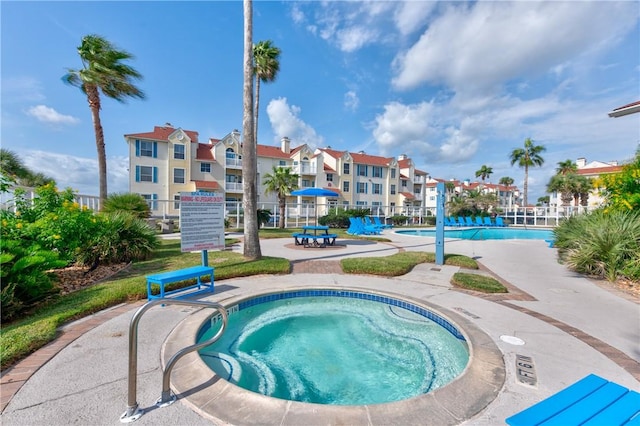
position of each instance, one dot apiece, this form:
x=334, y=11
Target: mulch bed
x=74, y=278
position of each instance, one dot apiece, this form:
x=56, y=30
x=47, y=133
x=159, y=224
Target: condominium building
x=592, y=170
x=169, y=160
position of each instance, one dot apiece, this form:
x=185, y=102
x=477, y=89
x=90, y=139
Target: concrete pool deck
x=570, y=327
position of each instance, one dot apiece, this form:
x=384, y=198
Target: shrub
x=603, y=244
x=132, y=203
x=399, y=220
x=335, y=219
x=122, y=237
x=264, y=216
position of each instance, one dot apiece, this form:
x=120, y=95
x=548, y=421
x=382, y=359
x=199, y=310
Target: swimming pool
x=336, y=347
x=485, y=233
x=223, y=402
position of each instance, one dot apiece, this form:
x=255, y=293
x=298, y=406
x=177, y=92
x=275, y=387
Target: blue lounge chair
x=500, y=222
x=376, y=221
x=590, y=401
x=447, y=222
x=461, y=221
x=479, y=221
x=367, y=222
x=468, y=221
x=487, y=221
x=453, y=221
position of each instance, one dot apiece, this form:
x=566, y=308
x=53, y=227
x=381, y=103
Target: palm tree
x=266, y=66
x=566, y=167
x=484, y=172
x=281, y=182
x=526, y=157
x=103, y=71
x=506, y=181
x=11, y=166
x=249, y=161
x=564, y=186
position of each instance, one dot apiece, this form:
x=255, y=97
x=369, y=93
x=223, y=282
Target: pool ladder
x=134, y=412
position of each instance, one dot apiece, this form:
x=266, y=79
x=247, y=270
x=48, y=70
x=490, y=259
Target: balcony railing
x=235, y=163
x=233, y=186
x=305, y=168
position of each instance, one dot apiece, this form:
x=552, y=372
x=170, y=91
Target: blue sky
x=454, y=85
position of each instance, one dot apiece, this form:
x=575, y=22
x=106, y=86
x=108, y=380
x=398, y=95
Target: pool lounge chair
x=468, y=221
x=358, y=227
x=461, y=221
x=487, y=221
x=376, y=221
x=367, y=222
x=447, y=222
x=479, y=221
x=589, y=401
x=500, y=221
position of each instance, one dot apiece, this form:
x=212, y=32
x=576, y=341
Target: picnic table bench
x=315, y=240
x=165, y=278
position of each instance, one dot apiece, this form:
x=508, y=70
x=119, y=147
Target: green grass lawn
x=22, y=337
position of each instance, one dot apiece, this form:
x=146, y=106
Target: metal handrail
x=134, y=412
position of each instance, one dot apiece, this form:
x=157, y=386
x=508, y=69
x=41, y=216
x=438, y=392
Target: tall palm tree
x=103, y=71
x=526, y=157
x=249, y=161
x=266, y=66
x=506, y=181
x=281, y=182
x=564, y=186
x=484, y=172
x=566, y=167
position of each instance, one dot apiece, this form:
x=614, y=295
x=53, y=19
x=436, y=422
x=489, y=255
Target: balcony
x=233, y=186
x=305, y=168
x=418, y=179
x=233, y=162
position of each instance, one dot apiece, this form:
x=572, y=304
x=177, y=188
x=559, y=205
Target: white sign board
x=201, y=221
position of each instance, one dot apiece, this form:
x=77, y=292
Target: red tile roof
x=408, y=195
x=204, y=152
x=206, y=184
x=275, y=151
x=161, y=133
x=403, y=164
x=370, y=159
x=600, y=170
x=327, y=168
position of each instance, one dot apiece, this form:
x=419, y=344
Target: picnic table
x=314, y=236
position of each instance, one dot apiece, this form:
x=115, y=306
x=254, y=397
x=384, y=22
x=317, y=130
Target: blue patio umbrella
x=315, y=192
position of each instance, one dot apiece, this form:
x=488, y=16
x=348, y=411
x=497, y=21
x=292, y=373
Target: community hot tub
x=466, y=393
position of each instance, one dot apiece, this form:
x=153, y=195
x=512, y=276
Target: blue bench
x=311, y=240
x=591, y=401
x=165, y=278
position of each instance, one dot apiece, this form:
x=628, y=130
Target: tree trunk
x=526, y=185
x=249, y=160
x=255, y=120
x=283, y=208
x=93, y=98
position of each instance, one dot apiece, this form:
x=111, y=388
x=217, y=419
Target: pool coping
x=196, y=385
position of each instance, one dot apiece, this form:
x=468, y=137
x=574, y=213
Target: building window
x=282, y=163
x=146, y=149
x=146, y=174
x=345, y=186
x=377, y=188
x=307, y=183
x=376, y=171
x=393, y=190
x=362, y=188
x=176, y=202
x=404, y=183
x=178, y=151
x=432, y=198
x=178, y=175
x=346, y=168
x=361, y=169
x=393, y=173
x=329, y=177
x=361, y=203
x=150, y=199
x=205, y=167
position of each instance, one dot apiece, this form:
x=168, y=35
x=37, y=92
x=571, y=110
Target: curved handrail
x=134, y=412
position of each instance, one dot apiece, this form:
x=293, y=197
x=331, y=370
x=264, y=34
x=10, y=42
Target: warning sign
x=201, y=221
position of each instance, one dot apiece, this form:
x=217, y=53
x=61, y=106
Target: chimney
x=285, y=145
x=581, y=162
x=402, y=157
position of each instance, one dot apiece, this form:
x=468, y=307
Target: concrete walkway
x=566, y=325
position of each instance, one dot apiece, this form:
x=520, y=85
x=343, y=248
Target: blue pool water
x=485, y=233
x=339, y=349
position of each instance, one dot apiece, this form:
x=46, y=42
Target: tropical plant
x=127, y=201
x=528, y=156
x=281, y=181
x=506, y=181
x=543, y=201
x=484, y=172
x=103, y=71
x=266, y=66
x=14, y=169
x=622, y=190
x=571, y=187
x=249, y=161
x=264, y=216
x=566, y=167
x=600, y=243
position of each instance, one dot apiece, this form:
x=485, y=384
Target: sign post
x=201, y=222
x=440, y=224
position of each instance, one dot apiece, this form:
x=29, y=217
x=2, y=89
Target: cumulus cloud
x=78, y=173
x=478, y=47
x=402, y=126
x=351, y=100
x=49, y=115
x=411, y=15
x=285, y=121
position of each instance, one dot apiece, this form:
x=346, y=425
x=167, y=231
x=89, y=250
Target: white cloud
x=78, y=173
x=285, y=122
x=351, y=100
x=478, y=47
x=411, y=15
x=49, y=115
x=22, y=89
x=404, y=128
x=353, y=38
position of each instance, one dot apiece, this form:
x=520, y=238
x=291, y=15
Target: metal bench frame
x=165, y=278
